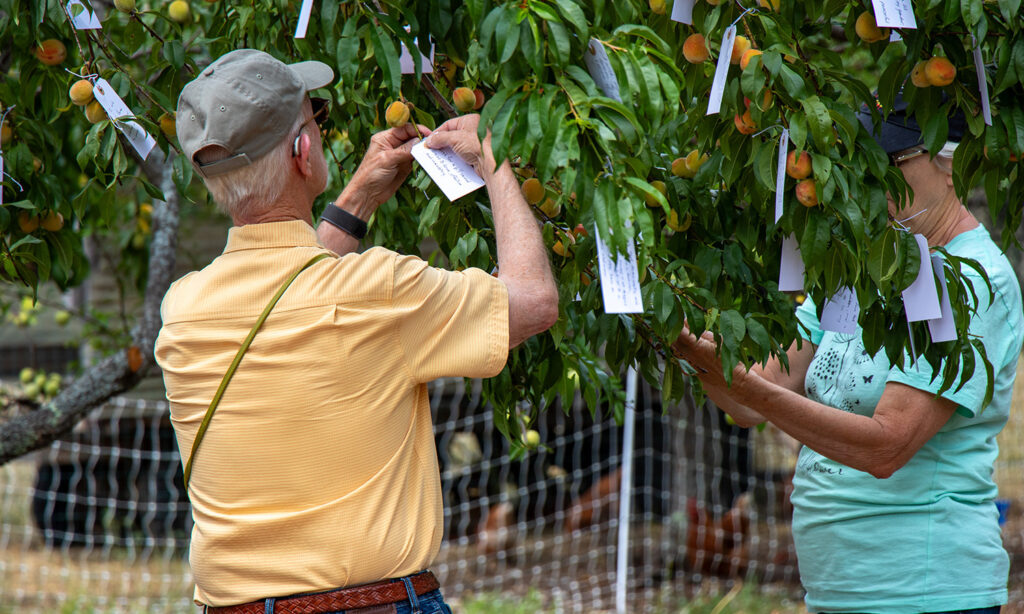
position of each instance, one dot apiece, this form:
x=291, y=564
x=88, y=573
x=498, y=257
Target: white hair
x=241, y=193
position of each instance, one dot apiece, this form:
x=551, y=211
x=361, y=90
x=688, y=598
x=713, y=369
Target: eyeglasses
x=896, y=159
x=321, y=112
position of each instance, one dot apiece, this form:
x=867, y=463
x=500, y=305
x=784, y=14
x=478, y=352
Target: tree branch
x=124, y=370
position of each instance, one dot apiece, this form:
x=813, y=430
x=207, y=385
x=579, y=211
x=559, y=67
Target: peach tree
x=693, y=193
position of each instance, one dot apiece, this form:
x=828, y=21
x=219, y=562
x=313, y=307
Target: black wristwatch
x=343, y=220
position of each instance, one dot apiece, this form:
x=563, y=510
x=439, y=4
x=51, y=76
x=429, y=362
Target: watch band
x=343, y=220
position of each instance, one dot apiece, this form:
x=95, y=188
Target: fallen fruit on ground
x=80, y=92
x=798, y=167
x=464, y=99
x=397, y=114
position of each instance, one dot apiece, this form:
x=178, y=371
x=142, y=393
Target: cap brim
x=890, y=135
x=313, y=74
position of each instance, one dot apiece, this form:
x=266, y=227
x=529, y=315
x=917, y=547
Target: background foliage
x=597, y=157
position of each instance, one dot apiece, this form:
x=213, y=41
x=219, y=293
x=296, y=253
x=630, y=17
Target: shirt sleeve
x=451, y=323
x=807, y=314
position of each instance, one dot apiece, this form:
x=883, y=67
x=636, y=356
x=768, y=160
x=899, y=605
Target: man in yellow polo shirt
x=316, y=488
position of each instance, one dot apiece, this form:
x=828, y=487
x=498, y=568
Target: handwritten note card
x=791, y=266
x=921, y=298
x=304, y=12
x=451, y=173
x=721, y=71
x=82, y=17
x=596, y=59
x=942, y=328
x=682, y=11
x=620, y=280
x=839, y=314
x=894, y=14
x=117, y=110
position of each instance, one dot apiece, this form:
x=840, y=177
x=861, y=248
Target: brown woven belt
x=351, y=598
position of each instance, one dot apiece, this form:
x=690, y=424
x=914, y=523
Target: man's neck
x=283, y=210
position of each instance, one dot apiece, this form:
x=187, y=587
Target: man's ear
x=300, y=155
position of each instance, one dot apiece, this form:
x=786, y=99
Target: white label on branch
x=791, y=266
x=921, y=298
x=979, y=66
x=942, y=328
x=682, y=11
x=600, y=69
x=840, y=312
x=450, y=172
x=82, y=17
x=303, y=25
x=780, y=174
x=721, y=71
x=405, y=61
x=1, y=178
x=118, y=111
x=620, y=280
x=894, y=14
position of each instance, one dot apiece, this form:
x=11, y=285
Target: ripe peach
x=657, y=6
x=868, y=30
x=550, y=208
x=94, y=112
x=479, y=99
x=918, y=76
x=798, y=167
x=679, y=168
x=533, y=190
x=766, y=100
x=695, y=49
x=806, y=193
x=580, y=231
x=80, y=92
x=397, y=114
x=939, y=71
x=747, y=55
x=740, y=46
x=52, y=221
x=673, y=222
x=51, y=52
x=5, y=134
x=168, y=125
x=660, y=186
x=464, y=99
x=28, y=222
x=745, y=123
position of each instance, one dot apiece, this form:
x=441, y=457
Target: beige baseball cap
x=246, y=102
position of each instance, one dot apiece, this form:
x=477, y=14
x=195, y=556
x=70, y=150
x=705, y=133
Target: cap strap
x=223, y=166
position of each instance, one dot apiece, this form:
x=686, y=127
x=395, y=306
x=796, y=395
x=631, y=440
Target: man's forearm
x=336, y=239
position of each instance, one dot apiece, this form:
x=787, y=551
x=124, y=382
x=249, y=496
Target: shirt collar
x=293, y=233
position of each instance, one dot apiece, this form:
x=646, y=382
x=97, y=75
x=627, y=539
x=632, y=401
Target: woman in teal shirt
x=893, y=493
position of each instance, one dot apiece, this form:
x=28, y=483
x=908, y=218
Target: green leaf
x=733, y=328
x=387, y=58
x=819, y=121
x=883, y=257
x=174, y=53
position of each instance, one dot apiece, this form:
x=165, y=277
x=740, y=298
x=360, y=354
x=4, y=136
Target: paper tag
x=620, y=281
x=82, y=17
x=406, y=63
x=304, y=12
x=596, y=59
x=921, y=298
x=979, y=66
x=839, y=314
x=1, y=178
x=451, y=173
x=721, y=71
x=791, y=266
x=942, y=328
x=682, y=11
x=780, y=174
x=117, y=110
x=894, y=14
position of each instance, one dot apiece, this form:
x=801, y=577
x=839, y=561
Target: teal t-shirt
x=927, y=538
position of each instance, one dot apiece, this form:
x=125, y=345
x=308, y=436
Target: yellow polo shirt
x=318, y=469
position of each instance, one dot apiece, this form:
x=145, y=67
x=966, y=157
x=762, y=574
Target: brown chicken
x=718, y=546
x=599, y=504
x=497, y=530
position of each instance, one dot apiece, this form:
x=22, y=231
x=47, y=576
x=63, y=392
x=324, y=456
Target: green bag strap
x=238, y=358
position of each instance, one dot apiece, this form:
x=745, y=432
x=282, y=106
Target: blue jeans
x=993, y=610
x=429, y=603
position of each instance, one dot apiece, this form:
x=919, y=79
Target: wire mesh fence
x=101, y=518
